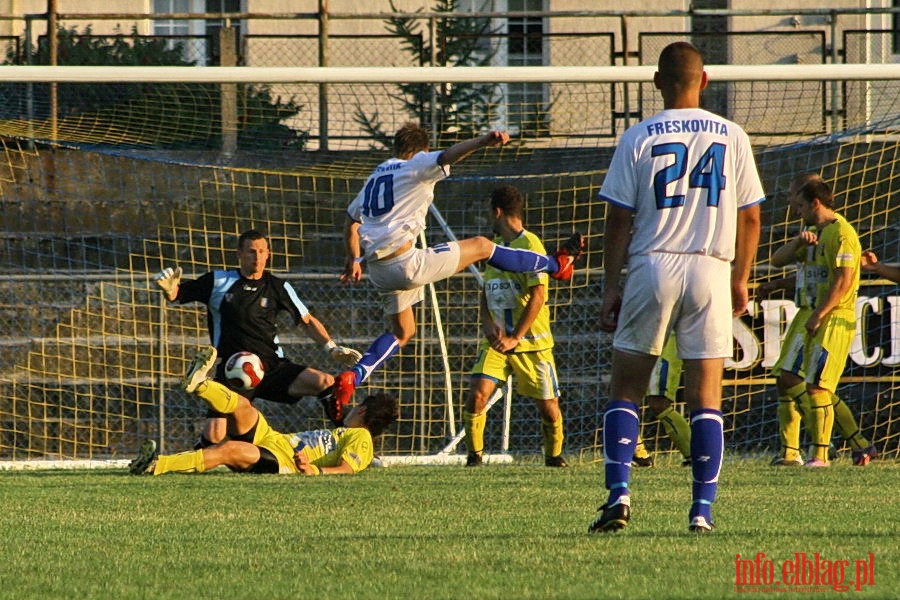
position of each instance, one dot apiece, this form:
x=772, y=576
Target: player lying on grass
x=243, y=306
x=255, y=447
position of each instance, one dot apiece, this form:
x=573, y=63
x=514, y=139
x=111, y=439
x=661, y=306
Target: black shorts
x=275, y=383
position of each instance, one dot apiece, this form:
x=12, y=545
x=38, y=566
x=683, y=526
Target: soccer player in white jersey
x=683, y=197
x=383, y=223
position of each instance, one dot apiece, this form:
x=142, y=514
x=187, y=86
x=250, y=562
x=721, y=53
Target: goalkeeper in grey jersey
x=242, y=309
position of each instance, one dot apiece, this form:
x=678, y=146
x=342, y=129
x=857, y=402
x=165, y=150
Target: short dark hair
x=680, y=64
x=812, y=185
x=410, y=139
x=382, y=409
x=509, y=200
x=250, y=235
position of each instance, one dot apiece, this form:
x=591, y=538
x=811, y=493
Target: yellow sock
x=640, y=449
x=184, y=462
x=677, y=429
x=820, y=423
x=219, y=397
x=474, y=426
x=845, y=423
x=552, y=432
x=790, y=419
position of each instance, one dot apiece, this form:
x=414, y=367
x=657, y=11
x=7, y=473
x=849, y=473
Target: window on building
x=171, y=26
x=525, y=46
x=214, y=26
x=895, y=27
x=201, y=41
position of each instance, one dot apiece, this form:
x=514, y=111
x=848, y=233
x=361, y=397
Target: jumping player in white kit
x=683, y=198
x=383, y=223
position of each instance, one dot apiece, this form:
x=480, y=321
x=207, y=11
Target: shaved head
x=681, y=64
x=680, y=75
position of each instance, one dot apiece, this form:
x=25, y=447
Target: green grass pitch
x=503, y=531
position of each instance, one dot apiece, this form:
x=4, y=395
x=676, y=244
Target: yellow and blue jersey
x=507, y=295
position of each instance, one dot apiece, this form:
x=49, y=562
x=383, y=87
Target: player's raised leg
x=559, y=265
x=420, y=271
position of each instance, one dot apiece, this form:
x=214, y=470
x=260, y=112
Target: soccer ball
x=244, y=371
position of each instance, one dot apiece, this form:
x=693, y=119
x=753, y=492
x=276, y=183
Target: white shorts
x=688, y=294
x=400, y=280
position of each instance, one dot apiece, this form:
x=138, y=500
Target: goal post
x=133, y=176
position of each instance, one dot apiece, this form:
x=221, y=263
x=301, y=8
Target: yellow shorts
x=791, y=358
x=826, y=353
x=277, y=443
x=535, y=372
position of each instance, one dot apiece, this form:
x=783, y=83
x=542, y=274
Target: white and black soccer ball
x=244, y=371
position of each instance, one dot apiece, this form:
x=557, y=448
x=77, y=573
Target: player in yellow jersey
x=517, y=337
x=661, y=393
x=793, y=402
x=828, y=253
x=255, y=447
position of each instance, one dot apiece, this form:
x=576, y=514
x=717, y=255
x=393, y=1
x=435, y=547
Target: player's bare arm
x=766, y=289
x=843, y=281
x=457, y=152
x=616, y=238
x=508, y=343
x=307, y=468
x=318, y=333
x=352, y=272
x=787, y=253
x=869, y=263
x=746, y=244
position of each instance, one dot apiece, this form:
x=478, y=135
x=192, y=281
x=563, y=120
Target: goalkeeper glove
x=168, y=280
x=342, y=354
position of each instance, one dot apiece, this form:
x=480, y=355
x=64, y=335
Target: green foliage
x=454, y=111
x=134, y=113
x=424, y=532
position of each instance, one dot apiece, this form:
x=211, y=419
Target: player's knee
x=326, y=380
x=404, y=333
x=485, y=247
x=310, y=382
x=476, y=402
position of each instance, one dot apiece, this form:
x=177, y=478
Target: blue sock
x=707, y=445
x=621, y=426
x=381, y=349
x=522, y=261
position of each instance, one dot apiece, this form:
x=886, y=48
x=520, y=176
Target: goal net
x=110, y=174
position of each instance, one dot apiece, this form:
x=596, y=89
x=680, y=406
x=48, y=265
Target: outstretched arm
x=870, y=264
x=766, y=289
x=168, y=281
x=317, y=332
x=457, y=152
